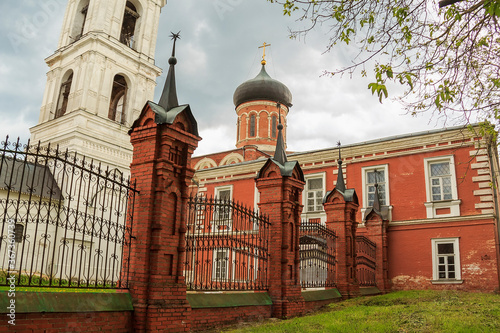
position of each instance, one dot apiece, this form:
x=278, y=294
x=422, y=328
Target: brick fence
x=157, y=299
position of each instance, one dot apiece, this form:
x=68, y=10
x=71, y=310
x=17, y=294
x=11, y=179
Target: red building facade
x=437, y=224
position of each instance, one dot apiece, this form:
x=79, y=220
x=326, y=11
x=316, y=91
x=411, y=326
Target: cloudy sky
x=218, y=50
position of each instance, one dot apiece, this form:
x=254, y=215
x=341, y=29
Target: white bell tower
x=100, y=77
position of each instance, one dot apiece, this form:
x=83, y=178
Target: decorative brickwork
x=161, y=167
x=376, y=231
x=119, y=322
x=280, y=200
x=341, y=218
x=206, y=318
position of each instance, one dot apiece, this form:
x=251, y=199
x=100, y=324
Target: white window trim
x=364, y=170
x=214, y=265
x=458, y=267
x=217, y=190
x=385, y=168
x=433, y=206
x=256, y=200
x=317, y=214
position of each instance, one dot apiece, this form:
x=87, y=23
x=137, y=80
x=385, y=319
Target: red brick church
x=428, y=200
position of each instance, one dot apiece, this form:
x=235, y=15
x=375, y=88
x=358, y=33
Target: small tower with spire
x=340, y=185
x=164, y=138
x=280, y=183
x=341, y=206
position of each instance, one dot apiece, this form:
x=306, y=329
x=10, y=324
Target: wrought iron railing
x=317, y=256
x=365, y=261
x=63, y=219
x=226, y=246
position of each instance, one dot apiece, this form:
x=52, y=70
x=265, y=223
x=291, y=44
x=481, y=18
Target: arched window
x=252, y=125
x=130, y=18
x=118, y=99
x=79, y=21
x=274, y=125
x=238, y=130
x=62, y=101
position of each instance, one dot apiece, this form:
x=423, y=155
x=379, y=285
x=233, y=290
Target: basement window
x=18, y=232
x=130, y=18
x=446, y=261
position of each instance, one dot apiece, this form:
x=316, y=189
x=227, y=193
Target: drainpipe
x=493, y=154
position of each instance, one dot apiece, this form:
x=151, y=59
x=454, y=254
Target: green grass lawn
x=404, y=311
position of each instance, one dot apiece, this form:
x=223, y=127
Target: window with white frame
x=314, y=192
x=440, y=180
x=441, y=187
x=371, y=176
x=220, y=264
x=222, y=210
x=446, y=260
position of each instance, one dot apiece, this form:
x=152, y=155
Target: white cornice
x=466, y=218
x=84, y=45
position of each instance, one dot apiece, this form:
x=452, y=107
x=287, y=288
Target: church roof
x=262, y=87
x=28, y=178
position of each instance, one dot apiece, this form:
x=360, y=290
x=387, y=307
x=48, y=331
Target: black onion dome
x=262, y=87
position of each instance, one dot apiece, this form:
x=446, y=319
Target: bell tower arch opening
x=64, y=91
x=117, y=106
x=79, y=20
x=130, y=24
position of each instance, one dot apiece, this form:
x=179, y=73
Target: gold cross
x=264, y=54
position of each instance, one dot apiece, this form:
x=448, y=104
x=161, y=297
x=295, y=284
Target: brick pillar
x=341, y=212
x=280, y=200
x=376, y=228
x=161, y=167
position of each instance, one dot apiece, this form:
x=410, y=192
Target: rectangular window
x=372, y=175
x=441, y=187
x=372, y=178
x=18, y=232
x=222, y=209
x=314, y=194
x=446, y=259
x=200, y=210
x=440, y=180
x=220, y=264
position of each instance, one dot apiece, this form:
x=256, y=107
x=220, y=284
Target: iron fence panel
x=317, y=256
x=63, y=219
x=365, y=261
x=226, y=246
